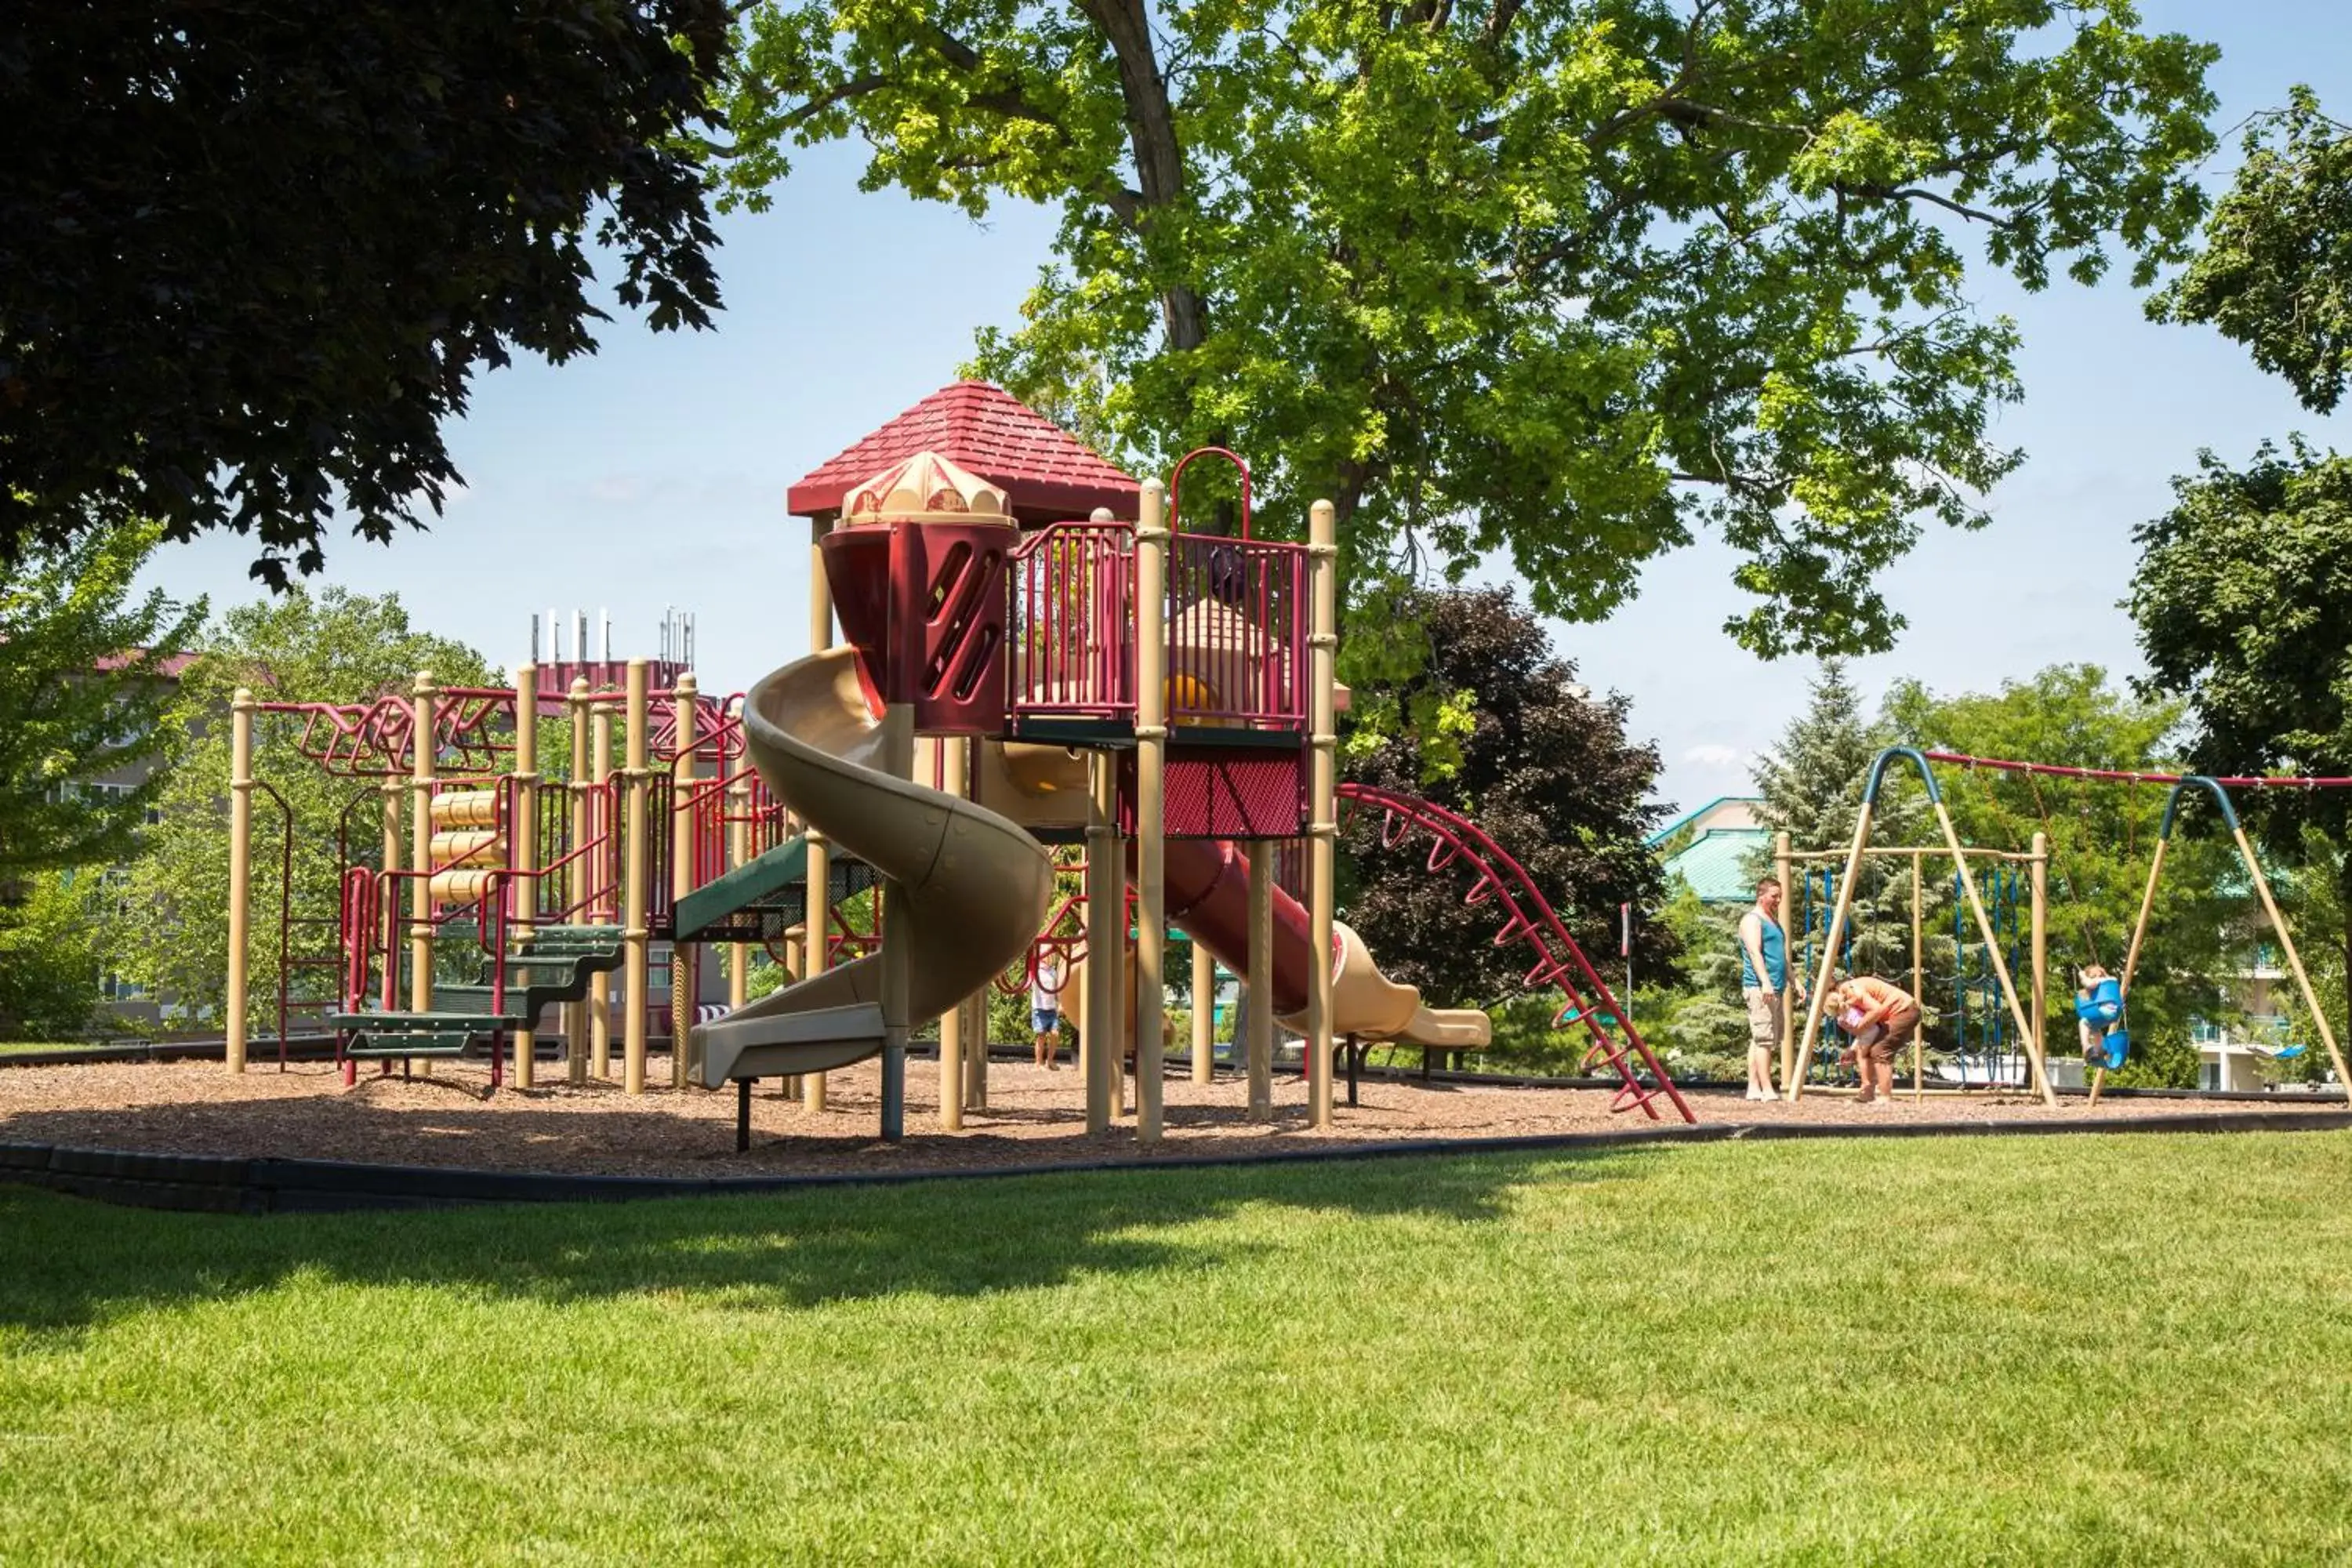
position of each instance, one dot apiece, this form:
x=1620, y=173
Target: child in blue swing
x=2098, y=1013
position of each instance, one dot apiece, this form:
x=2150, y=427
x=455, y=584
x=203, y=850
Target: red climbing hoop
x=1529, y=917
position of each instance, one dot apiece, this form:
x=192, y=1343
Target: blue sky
x=652, y=473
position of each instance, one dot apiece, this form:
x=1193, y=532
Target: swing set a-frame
x=2181, y=785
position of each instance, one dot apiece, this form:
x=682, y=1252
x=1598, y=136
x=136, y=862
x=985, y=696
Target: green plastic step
x=429, y=1044
x=481, y=1023
x=568, y=940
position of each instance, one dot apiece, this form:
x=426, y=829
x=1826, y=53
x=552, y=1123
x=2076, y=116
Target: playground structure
x=2029, y=1023
x=1977, y=1007
x=1012, y=677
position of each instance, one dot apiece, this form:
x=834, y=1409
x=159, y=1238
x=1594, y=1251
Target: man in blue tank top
x=1763, y=978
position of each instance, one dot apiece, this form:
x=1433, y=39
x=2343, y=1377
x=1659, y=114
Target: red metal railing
x=1072, y=629
x=1528, y=917
x=1238, y=617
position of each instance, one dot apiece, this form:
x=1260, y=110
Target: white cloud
x=616, y=489
x=1714, y=757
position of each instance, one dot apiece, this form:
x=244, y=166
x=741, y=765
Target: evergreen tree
x=1811, y=784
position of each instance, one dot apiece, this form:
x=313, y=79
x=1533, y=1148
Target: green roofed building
x=1711, y=849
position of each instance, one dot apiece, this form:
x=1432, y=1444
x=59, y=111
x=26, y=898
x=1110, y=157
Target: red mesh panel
x=1224, y=793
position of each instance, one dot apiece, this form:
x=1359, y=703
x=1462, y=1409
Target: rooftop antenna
x=534, y=636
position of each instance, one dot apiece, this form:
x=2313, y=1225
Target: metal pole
x=1150, y=773
x=424, y=708
x=952, y=1088
x=1322, y=826
x=522, y=854
x=2000, y=960
x=1255, y=1030
x=600, y=985
x=240, y=875
x=2038, y=928
x=1782, y=871
x=635, y=936
x=576, y=883
x=1795, y=1086
x=685, y=963
x=1106, y=942
x=2293, y=959
x=1204, y=1015
x=896, y=758
x=820, y=853
x=738, y=853
x=1918, y=979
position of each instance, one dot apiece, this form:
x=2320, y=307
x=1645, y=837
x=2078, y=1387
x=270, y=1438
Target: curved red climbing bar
x=1528, y=916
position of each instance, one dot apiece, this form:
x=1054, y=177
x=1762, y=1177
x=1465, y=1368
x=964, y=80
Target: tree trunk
x=1152, y=135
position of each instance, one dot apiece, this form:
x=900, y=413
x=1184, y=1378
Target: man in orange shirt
x=1881, y=1018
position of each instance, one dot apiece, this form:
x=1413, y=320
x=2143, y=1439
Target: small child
x=2099, y=1005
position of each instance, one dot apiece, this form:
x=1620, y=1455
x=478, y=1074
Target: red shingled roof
x=170, y=668
x=1048, y=473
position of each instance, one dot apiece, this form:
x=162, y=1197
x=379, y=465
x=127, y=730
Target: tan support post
x=1204, y=1015
x=1783, y=869
x=1255, y=1029
x=949, y=754
x=975, y=1052
x=2131, y=958
x=2000, y=964
x=1794, y=1086
x=683, y=962
x=636, y=874
x=1106, y=943
x=425, y=700
x=240, y=874
x=522, y=854
x=2038, y=929
x=1079, y=988
x=600, y=985
x=819, y=862
x=1322, y=826
x=575, y=882
x=2293, y=959
x=1918, y=980
x=1150, y=776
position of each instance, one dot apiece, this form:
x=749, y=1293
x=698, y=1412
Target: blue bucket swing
x=2104, y=1005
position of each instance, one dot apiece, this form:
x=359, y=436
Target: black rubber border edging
x=226, y=1185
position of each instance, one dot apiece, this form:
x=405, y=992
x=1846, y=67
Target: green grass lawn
x=2084, y=1348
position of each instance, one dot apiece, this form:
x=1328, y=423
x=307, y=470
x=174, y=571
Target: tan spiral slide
x=976, y=885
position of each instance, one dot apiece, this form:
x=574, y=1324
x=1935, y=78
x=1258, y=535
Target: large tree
x=2275, y=273
x=252, y=254
x=1541, y=764
x=1566, y=281
x=2243, y=598
x=334, y=647
x=85, y=669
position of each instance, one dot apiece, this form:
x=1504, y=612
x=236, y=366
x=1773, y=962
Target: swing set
x=2016, y=889
x=2108, y=1010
